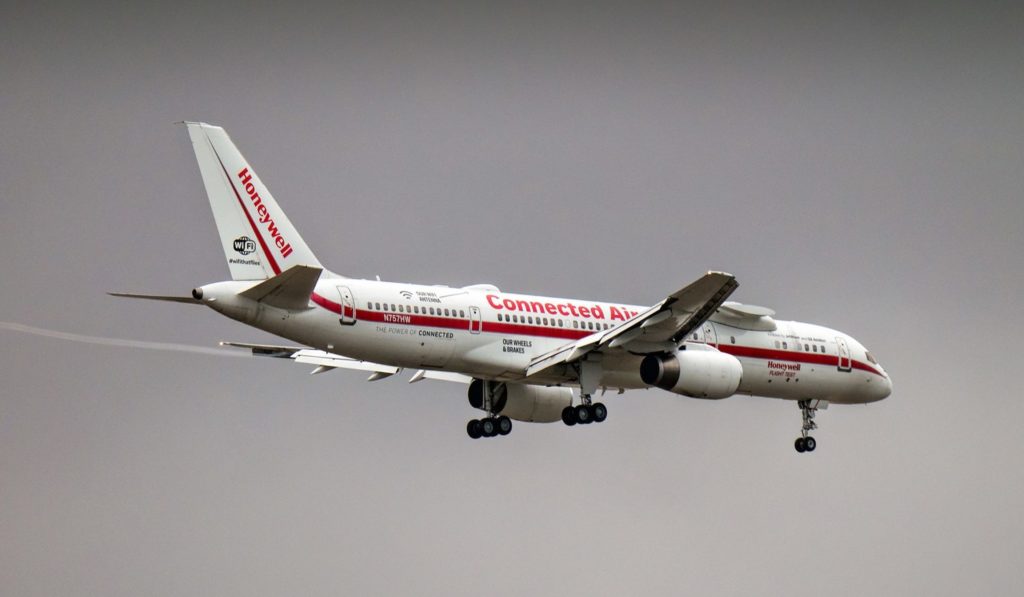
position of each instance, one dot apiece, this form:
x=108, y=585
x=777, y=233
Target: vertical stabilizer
x=258, y=239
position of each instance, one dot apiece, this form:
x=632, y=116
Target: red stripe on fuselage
x=793, y=357
x=562, y=333
x=332, y=306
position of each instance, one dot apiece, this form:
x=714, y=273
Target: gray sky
x=858, y=166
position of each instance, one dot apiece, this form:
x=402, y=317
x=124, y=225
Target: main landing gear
x=585, y=413
x=589, y=374
x=491, y=397
x=489, y=427
x=806, y=443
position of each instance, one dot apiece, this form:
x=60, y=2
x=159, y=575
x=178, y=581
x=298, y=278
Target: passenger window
x=446, y=312
x=575, y=323
x=785, y=345
x=807, y=348
x=462, y=314
x=778, y=344
x=732, y=339
x=560, y=322
x=815, y=349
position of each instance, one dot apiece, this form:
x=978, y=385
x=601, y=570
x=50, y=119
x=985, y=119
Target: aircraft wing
x=660, y=328
x=324, y=361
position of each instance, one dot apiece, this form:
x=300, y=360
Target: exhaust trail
x=119, y=342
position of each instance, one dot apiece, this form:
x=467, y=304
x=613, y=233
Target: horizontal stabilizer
x=288, y=290
x=157, y=297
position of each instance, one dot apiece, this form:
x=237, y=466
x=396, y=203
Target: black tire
x=473, y=429
x=583, y=416
x=599, y=411
x=810, y=444
x=504, y=425
x=569, y=416
x=488, y=428
x=799, y=445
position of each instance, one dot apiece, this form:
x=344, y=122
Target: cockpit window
x=870, y=358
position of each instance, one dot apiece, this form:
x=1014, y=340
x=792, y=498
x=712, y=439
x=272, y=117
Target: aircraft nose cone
x=880, y=390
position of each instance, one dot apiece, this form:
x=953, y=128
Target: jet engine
x=694, y=373
x=533, y=404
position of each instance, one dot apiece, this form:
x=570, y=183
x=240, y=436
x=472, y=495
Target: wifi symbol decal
x=406, y=294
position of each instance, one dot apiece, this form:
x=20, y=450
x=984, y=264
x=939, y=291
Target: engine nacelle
x=533, y=404
x=693, y=373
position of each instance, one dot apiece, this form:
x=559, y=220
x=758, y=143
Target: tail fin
x=258, y=239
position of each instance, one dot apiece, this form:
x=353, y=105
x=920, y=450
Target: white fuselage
x=487, y=334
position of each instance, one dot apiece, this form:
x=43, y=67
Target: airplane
x=520, y=357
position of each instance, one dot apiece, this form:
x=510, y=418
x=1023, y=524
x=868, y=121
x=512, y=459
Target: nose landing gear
x=808, y=408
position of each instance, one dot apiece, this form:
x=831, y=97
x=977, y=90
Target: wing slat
x=662, y=326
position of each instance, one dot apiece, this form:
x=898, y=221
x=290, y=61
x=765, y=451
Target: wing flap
x=323, y=360
x=449, y=376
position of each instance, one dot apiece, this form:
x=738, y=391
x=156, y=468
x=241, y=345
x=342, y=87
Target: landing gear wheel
x=488, y=428
x=800, y=445
x=599, y=411
x=569, y=416
x=583, y=415
x=810, y=444
x=504, y=425
x=473, y=429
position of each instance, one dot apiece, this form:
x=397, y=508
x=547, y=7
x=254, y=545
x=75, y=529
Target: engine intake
x=694, y=373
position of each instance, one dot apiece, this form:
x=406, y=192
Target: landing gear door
x=475, y=323
x=844, y=354
x=348, y=306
